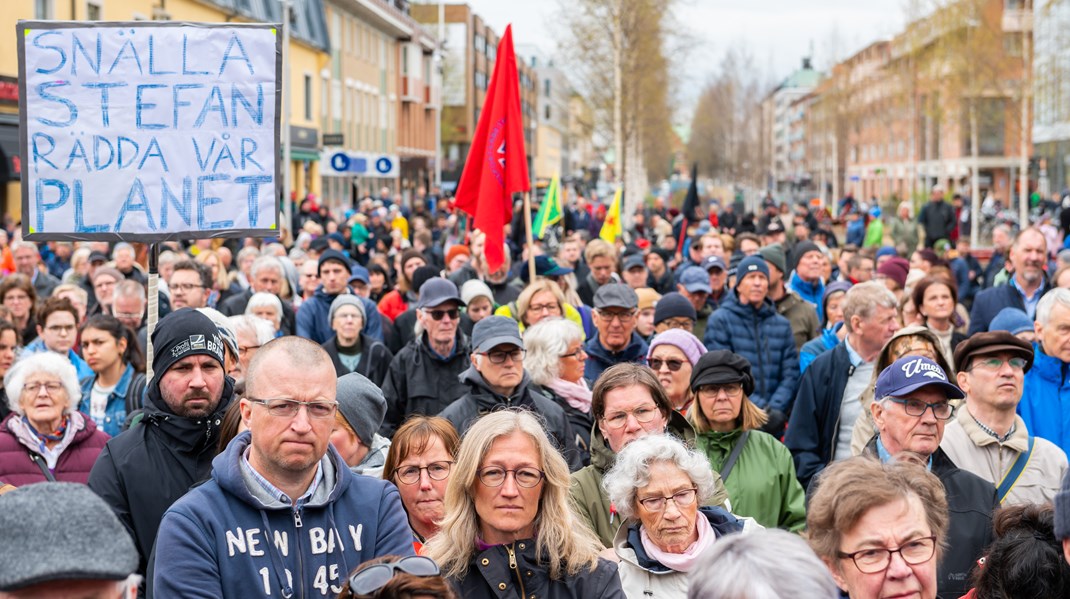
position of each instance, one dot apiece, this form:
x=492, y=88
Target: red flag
x=496, y=167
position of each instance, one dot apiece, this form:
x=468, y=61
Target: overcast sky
x=777, y=32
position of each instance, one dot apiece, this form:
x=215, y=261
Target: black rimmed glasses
x=410, y=475
x=872, y=561
x=621, y=317
x=915, y=407
x=288, y=408
x=499, y=357
x=373, y=578
x=494, y=476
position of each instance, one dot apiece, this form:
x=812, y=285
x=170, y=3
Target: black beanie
x=800, y=250
x=183, y=333
x=421, y=275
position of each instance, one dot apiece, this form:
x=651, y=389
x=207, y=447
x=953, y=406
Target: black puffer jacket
x=490, y=576
x=480, y=400
x=145, y=469
x=421, y=382
x=374, y=359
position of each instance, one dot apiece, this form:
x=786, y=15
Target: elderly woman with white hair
x=350, y=349
x=657, y=486
x=267, y=306
x=45, y=438
x=554, y=361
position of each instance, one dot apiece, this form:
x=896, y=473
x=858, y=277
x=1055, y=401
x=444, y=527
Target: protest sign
x=149, y=131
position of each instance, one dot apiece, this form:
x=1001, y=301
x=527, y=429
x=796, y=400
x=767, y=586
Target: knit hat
x=751, y=264
x=801, y=249
x=335, y=255
x=673, y=305
x=411, y=254
x=680, y=339
x=896, y=269
x=830, y=289
x=183, y=333
x=474, y=288
x=362, y=405
x=1062, y=510
x=61, y=531
x=422, y=275
x=721, y=366
x=774, y=254
x=346, y=299
x=457, y=249
x=647, y=297
x=886, y=251
x=1012, y=320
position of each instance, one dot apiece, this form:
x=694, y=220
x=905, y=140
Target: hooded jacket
x=314, y=323
x=600, y=358
x=766, y=340
x=80, y=448
x=491, y=574
x=419, y=381
x=480, y=400
x=230, y=538
x=144, y=470
x=643, y=576
x=590, y=497
x=1045, y=404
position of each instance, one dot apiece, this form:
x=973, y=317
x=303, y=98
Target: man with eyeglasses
x=911, y=405
x=266, y=276
x=986, y=437
x=616, y=306
x=282, y=515
x=27, y=262
x=58, y=333
x=423, y=376
x=496, y=380
x=171, y=442
x=190, y=285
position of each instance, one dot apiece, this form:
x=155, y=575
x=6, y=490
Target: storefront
x=349, y=176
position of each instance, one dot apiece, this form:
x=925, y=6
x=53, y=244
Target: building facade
x=1051, y=95
x=782, y=111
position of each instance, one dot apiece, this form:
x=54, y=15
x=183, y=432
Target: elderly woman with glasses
x=756, y=467
x=509, y=528
x=879, y=527
x=658, y=485
x=671, y=356
x=554, y=362
x=45, y=438
x=419, y=461
x=627, y=404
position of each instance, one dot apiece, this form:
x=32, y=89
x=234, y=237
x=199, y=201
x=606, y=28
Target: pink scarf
x=576, y=394
x=681, y=562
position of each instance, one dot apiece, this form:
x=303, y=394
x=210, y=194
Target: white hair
x=259, y=328
x=48, y=362
x=1046, y=303
x=863, y=299
x=124, y=247
x=631, y=471
x=765, y=564
x=263, y=299
x=546, y=342
x=266, y=262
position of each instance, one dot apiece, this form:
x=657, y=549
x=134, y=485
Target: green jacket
x=874, y=234
x=590, y=498
x=762, y=484
x=904, y=235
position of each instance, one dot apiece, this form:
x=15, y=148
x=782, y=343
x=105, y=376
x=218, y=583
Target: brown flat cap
x=992, y=342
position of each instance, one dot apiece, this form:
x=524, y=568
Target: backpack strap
x=37, y=459
x=1011, y=478
x=732, y=457
x=135, y=393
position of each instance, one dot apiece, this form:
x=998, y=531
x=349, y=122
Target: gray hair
x=122, y=246
x=262, y=299
x=129, y=288
x=862, y=299
x=1046, y=303
x=48, y=362
x=167, y=257
x=246, y=252
x=22, y=244
x=266, y=262
x=546, y=342
x=765, y=564
x=263, y=330
x=632, y=470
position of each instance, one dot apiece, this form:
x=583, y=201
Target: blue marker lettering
x=253, y=199
x=97, y=141
x=137, y=148
x=105, y=98
x=42, y=90
x=224, y=153
x=140, y=106
x=184, y=207
x=42, y=156
x=76, y=47
x=237, y=97
x=247, y=154
x=176, y=102
x=204, y=201
x=77, y=151
x=185, y=57
x=235, y=41
x=157, y=153
x=142, y=205
x=122, y=56
x=152, y=58
x=214, y=103
x=39, y=199
x=202, y=162
x=79, y=219
x=61, y=59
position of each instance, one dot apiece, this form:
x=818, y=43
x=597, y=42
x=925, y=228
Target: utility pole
x=287, y=205
x=1027, y=84
x=438, y=116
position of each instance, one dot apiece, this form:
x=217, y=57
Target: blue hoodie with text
x=229, y=538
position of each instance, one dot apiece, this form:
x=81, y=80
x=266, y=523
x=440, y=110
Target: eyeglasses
x=437, y=315
x=657, y=363
x=494, y=476
x=685, y=324
x=622, y=317
x=410, y=475
x=997, y=363
x=185, y=287
x=682, y=498
x=288, y=408
x=730, y=389
x=244, y=349
x=35, y=388
x=575, y=354
x=103, y=284
x=498, y=357
x=872, y=561
x=57, y=329
x=642, y=414
x=544, y=308
x=127, y=315
x=913, y=407
x=371, y=579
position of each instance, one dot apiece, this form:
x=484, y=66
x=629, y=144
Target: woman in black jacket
x=351, y=350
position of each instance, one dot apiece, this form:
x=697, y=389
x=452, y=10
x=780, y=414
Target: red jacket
x=74, y=463
x=392, y=304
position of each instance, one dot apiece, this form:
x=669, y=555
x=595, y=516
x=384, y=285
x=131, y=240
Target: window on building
x=308, y=97
x=93, y=11
x=546, y=87
x=405, y=60
x=42, y=9
x=546, y=112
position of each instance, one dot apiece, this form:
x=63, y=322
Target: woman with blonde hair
x=222, y=287
x=539, y=300
x=508, y=512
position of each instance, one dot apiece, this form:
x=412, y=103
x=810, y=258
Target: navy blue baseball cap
x=910, y=373
x=359, y=273
x=712, y=262
x=694, y=279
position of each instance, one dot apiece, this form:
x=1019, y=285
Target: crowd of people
x=739, y=406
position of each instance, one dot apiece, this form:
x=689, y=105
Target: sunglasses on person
x=437, y=315
x=657, y=363
x=373, y=578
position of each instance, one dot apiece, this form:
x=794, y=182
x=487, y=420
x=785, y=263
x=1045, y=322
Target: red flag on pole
x=496, y=167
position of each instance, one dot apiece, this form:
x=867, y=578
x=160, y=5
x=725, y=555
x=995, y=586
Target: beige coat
x=976, y=451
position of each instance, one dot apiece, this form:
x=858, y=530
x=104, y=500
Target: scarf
x=578, y=395
x=44, y=438
x=681, y=562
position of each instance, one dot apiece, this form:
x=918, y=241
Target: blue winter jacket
x=766, y=340
x=225, y=538
x=817, y=346
x=1045, y=405
x=811, y=292
x=115, y=411
x=312, y=321
x=600, y=358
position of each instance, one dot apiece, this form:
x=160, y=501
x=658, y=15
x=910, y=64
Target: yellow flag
x=611, y=227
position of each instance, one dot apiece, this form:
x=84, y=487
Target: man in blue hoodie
x=282, y=515
x=334, y=270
